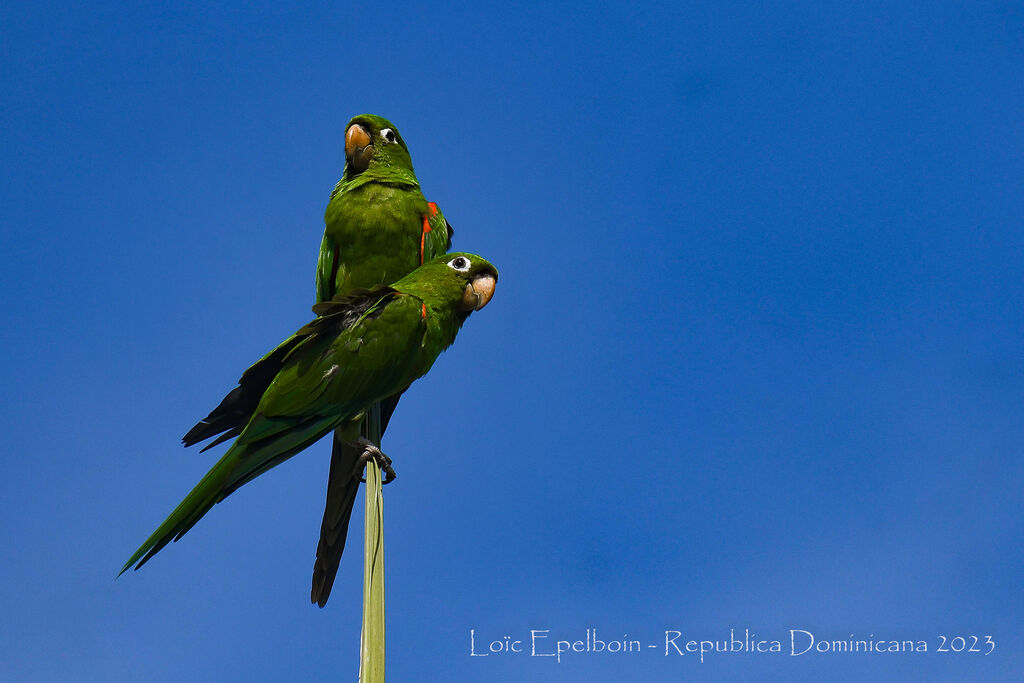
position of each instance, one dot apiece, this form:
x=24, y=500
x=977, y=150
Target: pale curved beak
x=478, y=293
x=358, y=150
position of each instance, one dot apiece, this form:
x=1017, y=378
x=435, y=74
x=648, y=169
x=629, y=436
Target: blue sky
x=754, y=360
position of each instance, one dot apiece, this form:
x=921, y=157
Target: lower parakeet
x=362, y=347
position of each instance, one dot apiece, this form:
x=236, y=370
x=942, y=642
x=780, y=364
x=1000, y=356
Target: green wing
x=236, y=409
x=336, y=368
x=325, y=268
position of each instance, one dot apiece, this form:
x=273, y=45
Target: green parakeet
x=362, y=347
x=379, y=227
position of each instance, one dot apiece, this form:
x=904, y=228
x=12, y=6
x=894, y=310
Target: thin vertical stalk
x=371, y=651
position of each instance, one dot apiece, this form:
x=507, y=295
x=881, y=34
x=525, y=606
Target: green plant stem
x=371, y=655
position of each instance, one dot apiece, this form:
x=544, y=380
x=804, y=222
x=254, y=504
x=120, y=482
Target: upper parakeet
x=379, y=228
x=361, y=348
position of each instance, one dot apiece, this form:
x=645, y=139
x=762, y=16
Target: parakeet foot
x=370, y=451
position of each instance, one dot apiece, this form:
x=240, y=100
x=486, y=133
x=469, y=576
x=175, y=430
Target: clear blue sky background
x=754, y=361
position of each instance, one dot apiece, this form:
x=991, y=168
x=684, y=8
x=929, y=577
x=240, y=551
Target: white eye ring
x=388, y=136
x=460, y=263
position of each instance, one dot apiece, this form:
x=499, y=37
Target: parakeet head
x=463, y=282
x=374, y=142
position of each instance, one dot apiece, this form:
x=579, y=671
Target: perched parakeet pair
x=368, y=344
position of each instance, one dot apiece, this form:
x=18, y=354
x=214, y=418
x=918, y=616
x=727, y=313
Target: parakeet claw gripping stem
x=370, y=451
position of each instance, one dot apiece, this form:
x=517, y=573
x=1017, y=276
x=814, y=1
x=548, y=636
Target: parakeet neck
x=442, y=325
x=384, y=174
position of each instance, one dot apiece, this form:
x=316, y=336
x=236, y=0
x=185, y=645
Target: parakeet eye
x=388, y=135
x=460, y=263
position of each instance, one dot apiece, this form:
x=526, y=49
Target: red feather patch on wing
x=426, y=229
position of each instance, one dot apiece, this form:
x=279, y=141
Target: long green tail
x=242, y=463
